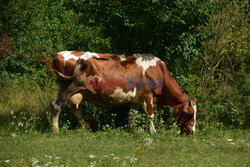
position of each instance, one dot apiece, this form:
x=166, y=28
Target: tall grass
x=25, y=104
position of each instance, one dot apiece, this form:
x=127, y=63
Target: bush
x=43, y=26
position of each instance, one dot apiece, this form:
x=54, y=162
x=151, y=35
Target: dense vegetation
x=204, y=44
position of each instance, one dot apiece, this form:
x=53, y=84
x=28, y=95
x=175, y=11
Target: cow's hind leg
x=56, y=110
x=148, y=107
x=78, y=114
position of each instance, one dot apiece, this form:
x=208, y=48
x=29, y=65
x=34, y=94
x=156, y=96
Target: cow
x=110, y=79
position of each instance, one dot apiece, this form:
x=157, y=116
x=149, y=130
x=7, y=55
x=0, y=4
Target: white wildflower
x=11, y=112
x=48, y=156
x=133, y=159
x=13, y=135
x=91, y=156
x=57, y=157
x=34, y=162
x=20, y=124
x=232, y=143
x=47, y=164
x=124, y=163
x=7, y=161
x=242, y=141
x=229, y=140
x=92, y=164
x=116, y=158
x=149, y=141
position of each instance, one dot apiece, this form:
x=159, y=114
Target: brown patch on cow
x=77, y=53
x=69, y=66
x=59, y=65
x=115, y=57
x=130, y=59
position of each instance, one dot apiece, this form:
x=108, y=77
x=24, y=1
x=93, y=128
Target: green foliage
x=43, y=26
x=169, y=29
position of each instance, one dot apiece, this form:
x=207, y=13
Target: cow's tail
x=80, y=65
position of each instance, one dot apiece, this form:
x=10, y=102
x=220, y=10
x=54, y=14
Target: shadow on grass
x=27, y=118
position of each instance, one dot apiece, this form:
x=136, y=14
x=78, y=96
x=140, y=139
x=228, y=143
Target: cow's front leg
x=148, y=107
x=56, y=110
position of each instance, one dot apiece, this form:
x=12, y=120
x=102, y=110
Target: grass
x=120, y=148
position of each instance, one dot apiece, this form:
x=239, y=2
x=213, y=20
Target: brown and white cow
x=108, y=80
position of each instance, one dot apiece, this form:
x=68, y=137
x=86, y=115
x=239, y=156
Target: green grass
x=120, y=148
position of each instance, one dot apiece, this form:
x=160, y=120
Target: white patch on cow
x=195, y=110
x=122, y=57
x=152, y=127
x=151, y=119
x=145, y=61
x=152, y=116
x=88, y=55
x=152, y=103
x=120, y=96
x=151, y=124
x=68, y=55
x=144, y=105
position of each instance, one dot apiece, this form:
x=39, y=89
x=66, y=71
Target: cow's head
x=185, y=115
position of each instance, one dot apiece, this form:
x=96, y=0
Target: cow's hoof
x=55, y=130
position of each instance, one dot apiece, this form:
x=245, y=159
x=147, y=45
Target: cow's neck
x=173, y=94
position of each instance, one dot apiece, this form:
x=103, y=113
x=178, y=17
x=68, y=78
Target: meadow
x=116, y=147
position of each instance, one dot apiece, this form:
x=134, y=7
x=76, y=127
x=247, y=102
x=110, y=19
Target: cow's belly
x=117, y=97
